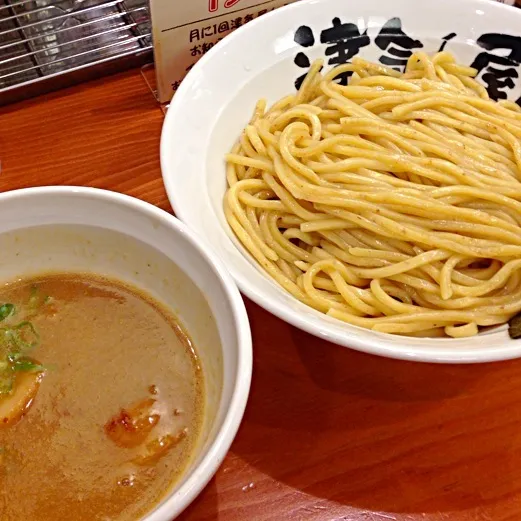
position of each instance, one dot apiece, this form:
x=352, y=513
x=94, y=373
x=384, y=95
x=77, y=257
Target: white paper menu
x=183, y=31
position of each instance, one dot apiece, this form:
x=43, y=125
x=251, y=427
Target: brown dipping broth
x=105, y=348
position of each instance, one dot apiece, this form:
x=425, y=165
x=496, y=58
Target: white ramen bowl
x=69, y=229
x=263, y=59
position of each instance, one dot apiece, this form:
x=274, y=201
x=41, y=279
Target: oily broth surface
x=104, y=345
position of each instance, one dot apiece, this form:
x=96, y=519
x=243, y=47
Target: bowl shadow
x=376, y=433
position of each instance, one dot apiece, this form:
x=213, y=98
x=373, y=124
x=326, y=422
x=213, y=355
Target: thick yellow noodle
x=393, y=203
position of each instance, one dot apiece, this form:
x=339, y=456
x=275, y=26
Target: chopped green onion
x=17, y=340
x=25, y=336
x=34, y=297
x=6, y=382
x=6, y=310
x=27, y=365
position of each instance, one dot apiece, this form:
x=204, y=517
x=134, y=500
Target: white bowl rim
x=433, y=353
x=174, y=503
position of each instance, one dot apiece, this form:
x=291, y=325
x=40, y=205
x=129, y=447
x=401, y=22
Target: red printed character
x=213, y=5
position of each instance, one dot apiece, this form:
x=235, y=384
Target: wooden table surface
x=329, y=433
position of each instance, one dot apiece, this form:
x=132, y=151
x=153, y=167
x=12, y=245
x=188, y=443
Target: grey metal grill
x=42, y=39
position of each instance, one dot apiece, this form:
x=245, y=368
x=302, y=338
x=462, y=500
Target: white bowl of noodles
x=383, y=216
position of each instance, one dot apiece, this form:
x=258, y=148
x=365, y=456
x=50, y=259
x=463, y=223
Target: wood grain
x=329, y=433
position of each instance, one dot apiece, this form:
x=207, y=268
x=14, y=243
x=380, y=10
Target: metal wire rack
x=44, y=39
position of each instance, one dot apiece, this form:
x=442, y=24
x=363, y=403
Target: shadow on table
x=375, y=433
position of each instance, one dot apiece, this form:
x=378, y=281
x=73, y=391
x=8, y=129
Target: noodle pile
x=392, y=203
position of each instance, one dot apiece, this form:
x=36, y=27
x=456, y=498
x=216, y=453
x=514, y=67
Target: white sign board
x=183, y=31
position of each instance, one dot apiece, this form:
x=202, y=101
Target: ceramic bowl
x=69, y=229
x=265, y=59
